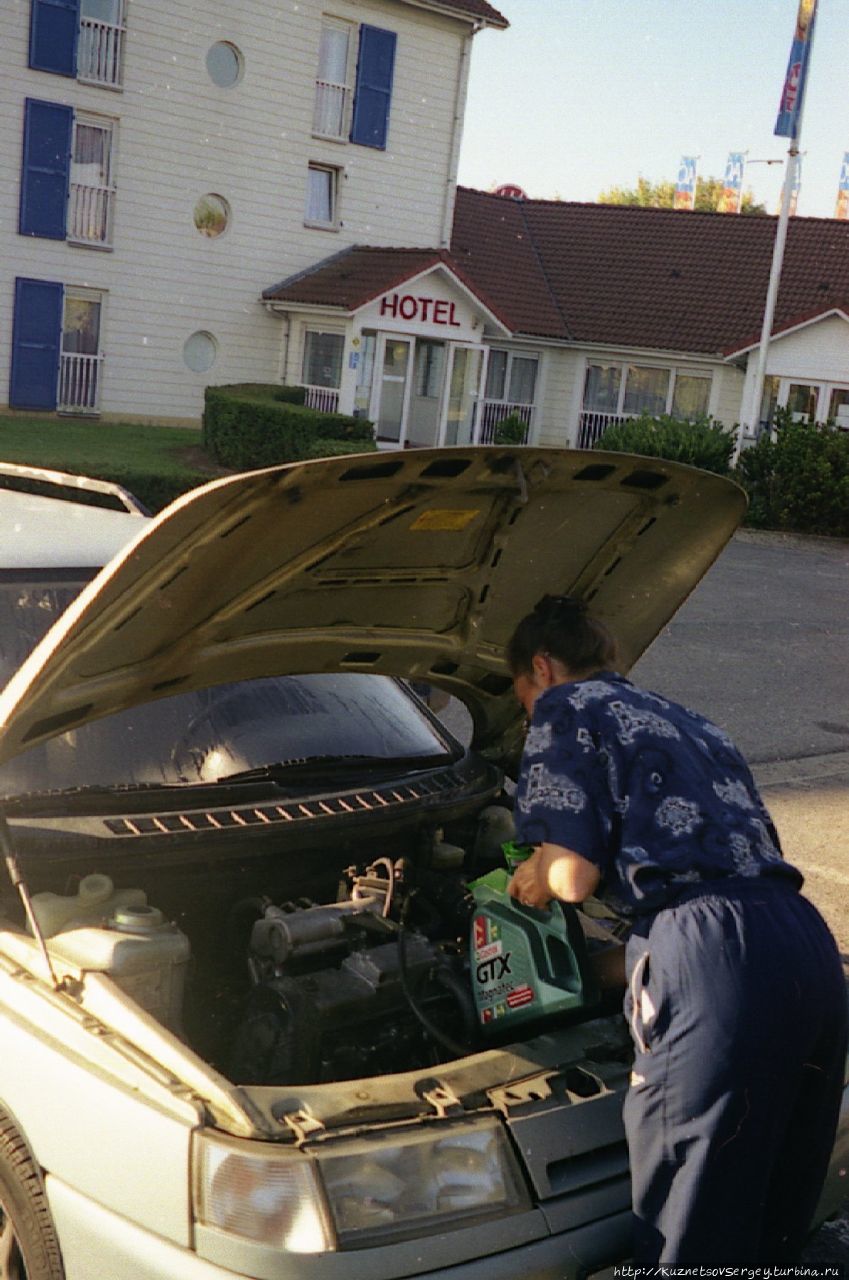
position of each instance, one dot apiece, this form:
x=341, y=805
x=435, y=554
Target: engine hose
x=459, y=1051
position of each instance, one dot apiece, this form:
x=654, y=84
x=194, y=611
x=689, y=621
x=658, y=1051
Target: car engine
x=375, y=982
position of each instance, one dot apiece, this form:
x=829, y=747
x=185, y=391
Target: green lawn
x=155, y=463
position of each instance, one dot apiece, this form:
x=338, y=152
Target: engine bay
x=373, y=975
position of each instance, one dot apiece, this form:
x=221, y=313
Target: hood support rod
x=17, y=878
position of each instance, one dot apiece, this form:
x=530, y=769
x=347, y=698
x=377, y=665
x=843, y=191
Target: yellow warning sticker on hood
x=443, y=521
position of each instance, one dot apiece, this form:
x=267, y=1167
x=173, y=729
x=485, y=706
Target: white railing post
x=100, y=51
x=324, y=399
x=495, y=411
x=90, y=214
x=79, y=382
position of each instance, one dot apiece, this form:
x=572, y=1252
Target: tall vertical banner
x=789, y=108
x=732, y=183
x=685, y=187
x=842, y=207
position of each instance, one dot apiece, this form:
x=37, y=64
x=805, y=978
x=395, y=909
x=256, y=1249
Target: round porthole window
x=224, y=63
x=211, y=215
x=199, y=351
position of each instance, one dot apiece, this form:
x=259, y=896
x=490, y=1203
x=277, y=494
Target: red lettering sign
x=426, y=310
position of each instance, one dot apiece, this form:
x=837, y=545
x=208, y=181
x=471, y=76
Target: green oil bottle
x=526, y=964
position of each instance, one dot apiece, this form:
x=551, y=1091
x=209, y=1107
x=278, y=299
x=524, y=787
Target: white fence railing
x=328, y=117
x=592, y=425
x=90, y=214
x=325, y=399
x=100, y=53
x=79, y=382
x=494, y=411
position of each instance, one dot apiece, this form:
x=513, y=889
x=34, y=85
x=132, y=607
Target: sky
x=581, y=95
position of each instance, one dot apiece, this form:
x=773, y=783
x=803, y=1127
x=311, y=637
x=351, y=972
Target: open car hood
x=415, y=564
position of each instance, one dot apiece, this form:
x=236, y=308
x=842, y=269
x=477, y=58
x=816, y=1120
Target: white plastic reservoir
x=105, y=930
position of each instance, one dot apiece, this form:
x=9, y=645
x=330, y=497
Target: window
x=80, y=363
x=622, y=390
x=66, y=175
x=224, y=64
x=361, y=114
x=322, y=358
x=331, y=111
x=211, y=215
x=646, y=390
x=802, y=400
x=430, y=361
x=91, y=189
x=199, y=351
x=322, y=195
x=510, y=377
x=83, y=39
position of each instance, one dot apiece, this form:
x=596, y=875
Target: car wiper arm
x=333, y=763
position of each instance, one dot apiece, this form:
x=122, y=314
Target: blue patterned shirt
x=657, y=797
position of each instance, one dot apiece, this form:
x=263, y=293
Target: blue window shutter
x=373, y=91
x=45, y=169
x=35, y=344
x=54, y=30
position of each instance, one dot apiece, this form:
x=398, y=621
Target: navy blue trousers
x=737, y=1005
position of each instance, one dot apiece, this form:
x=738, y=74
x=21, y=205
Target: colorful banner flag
x=797, y=182
x=842, y=208
x=732, y=183
x=792, y=95
x=685, y=187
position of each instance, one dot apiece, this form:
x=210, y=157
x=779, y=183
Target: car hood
x=415, y=564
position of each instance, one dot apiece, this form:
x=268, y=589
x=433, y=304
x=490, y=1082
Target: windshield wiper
x=309, y=765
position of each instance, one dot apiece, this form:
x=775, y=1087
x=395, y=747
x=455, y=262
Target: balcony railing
x=90, y=214
x=495, y=411
x=325, y=399
x=329, y=112
x=592, y=425
x=79, y=383
x=100, y=53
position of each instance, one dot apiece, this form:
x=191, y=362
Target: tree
x=661, y=195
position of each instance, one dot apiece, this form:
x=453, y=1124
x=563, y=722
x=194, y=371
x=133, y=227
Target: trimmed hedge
x=800, y=480
x=250, y=425
x=701, y=443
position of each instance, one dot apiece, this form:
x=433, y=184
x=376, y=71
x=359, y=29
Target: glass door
x=464, y=391
x=392, y=389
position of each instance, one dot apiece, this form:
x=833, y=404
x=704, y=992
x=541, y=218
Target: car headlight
x=385, y=1186
x=261, y=1192
x=398, y=1183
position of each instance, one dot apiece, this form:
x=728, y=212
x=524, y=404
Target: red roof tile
x=651, y=278
x=357, y=275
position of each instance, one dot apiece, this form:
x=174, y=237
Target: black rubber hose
x=459, y=1051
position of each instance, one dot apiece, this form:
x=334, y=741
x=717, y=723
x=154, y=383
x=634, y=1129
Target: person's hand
x=553, y=872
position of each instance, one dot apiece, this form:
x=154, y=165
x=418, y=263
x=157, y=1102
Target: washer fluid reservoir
x=94, y=902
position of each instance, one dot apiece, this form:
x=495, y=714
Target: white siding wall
x=727, y=396
x=556, y=417
x=180, y=136
x=817, y=353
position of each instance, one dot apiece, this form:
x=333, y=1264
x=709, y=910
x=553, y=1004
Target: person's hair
x=561, y=628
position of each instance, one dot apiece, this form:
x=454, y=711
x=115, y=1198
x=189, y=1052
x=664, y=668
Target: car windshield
x=204, y=736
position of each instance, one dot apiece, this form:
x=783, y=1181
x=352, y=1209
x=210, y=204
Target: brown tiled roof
x=644, y=277
x=356, y=276
x=475, y=9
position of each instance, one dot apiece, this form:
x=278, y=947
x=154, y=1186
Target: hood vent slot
x=366, y=800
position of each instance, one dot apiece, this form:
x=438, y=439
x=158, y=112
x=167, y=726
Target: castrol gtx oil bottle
x=526, y=964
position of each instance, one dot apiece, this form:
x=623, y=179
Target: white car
x=236, y=1008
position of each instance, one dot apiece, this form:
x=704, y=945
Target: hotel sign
x=410, y=306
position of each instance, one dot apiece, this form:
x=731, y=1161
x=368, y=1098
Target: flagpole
x=751, y=418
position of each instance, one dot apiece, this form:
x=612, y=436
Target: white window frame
x=508, y=374
x=105, y=42
x=80, y=376
x=624, y=365
x=345, y=88
x=87, y=203
x=316, y=166
x=822, y=386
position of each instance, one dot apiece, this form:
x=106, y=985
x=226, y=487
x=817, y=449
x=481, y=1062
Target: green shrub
x=511, y=430
x=800, y=480
x=700, y=443
x=337, y=448
x=247, y=425
x=291, y=395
